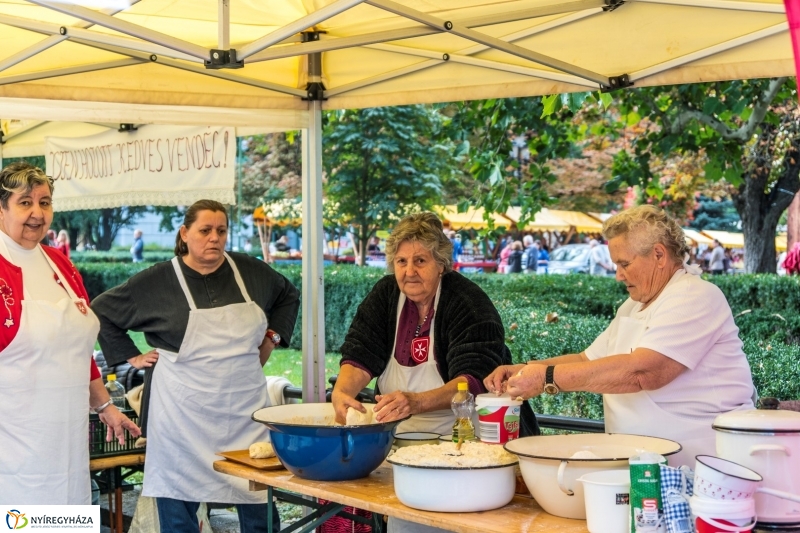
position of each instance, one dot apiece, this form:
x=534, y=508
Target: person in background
x=46, y=343
x=544, y=258
x=137, y=249
x=282, y=244
x=51, y=238
x=455, y=240
x=206, y=312
x=670, y=362
x=62, y=242
x=515, y=258
x=716, y=263
x=530, y=257
x=791, y=262
x=421, y=330
x=373, y=247
x=598, y=263
x=502, y=266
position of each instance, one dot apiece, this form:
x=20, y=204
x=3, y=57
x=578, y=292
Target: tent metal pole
x=224, y=25
x=191, y=67
x=301, y=24
x=439, y=59
x=326, y=45
x=126, y=27
x=51, y=41
x=757, y=7
x=20, y=78
x=492, y=42
x=313, y=296
x=710, y=51
x=31, y=51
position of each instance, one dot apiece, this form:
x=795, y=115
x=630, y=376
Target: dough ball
x=261, y=450
x=357, y=418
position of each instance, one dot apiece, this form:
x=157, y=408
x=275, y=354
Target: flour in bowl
x=445, y=455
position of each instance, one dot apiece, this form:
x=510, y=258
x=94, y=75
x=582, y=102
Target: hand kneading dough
x=357, y=418
x=261, y=450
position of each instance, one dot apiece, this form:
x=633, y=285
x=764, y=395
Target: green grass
x=282, y=362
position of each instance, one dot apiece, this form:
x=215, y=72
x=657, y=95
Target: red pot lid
x=759, y=421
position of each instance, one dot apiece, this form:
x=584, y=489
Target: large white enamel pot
x=551, y=471
x=767, y=441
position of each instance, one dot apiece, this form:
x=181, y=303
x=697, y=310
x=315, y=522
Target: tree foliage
x=747, y=132
x=484, y=132
x=382, y=163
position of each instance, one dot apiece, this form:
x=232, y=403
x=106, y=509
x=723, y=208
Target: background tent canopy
x=582, y=222
x=373, y=52
x=471, y=219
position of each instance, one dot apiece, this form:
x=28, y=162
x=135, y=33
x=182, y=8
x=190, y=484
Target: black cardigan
x=468, y=333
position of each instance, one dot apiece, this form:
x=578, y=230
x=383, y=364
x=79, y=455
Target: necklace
x=419, y=326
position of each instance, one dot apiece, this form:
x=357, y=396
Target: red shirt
x=12, y=295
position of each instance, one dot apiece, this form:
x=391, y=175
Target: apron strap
x=238, y=277
x=182, y=280
x=64, y=282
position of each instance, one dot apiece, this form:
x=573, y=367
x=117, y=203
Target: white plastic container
x=713, y=516
x=607, y=495
x=498, y=418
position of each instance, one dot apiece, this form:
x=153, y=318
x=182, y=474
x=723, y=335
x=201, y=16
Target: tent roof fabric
x=543, y=221
x=696, y=236
x=582, y=222
x=472, y=219
x=372, y=52
x=727, y=239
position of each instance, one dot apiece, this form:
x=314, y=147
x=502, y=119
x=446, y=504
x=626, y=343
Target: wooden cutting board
x=243, y=457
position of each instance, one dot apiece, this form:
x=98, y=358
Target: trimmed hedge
x=585, y=305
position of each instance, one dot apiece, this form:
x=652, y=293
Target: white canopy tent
x=174, y=62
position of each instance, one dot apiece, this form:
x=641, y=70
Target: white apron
x=420, y=378
x=201, y=401
x=44, y=401
x=638, y=414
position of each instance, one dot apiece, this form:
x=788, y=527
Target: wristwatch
x=274, y=336
x=100, y=408
x=550, y=386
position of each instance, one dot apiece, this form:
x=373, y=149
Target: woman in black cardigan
x=422, y=306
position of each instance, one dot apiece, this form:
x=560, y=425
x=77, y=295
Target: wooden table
x=114, y=466
x=376, y=493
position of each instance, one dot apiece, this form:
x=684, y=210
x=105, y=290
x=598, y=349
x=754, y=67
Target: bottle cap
x=463, y=385
x=111, y=377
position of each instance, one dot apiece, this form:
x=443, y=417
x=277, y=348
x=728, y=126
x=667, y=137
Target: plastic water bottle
x=116, y=391
x=463, y=406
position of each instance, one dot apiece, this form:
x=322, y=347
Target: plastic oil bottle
x=463, y=406
x=116, y=391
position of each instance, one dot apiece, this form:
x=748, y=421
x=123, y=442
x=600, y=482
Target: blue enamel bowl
x=311, y=447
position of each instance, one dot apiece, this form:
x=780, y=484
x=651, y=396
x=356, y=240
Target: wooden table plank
x=376, y=493
x=102, y=463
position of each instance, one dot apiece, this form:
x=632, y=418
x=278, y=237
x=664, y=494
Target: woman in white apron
x=671, y=360
x=421, y=331
x=205, y=311
x=47, y=333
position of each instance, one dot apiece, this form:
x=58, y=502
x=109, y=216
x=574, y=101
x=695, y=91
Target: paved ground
x=222, y=520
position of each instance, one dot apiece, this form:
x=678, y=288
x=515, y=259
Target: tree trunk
x=760, y=203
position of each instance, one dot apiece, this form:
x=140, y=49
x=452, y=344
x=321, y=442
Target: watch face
x=276, y=338
x=550, y=389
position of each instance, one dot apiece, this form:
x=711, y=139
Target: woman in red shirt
x=47, y=332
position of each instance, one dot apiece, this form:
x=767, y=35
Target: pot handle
x=728, y=527
x=770, y=448
x=779, y=494
x=348, y=446
x=561, y=468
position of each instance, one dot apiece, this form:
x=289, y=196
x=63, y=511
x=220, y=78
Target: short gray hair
x=647, y=226
x=527, y=240
x=21, y=178
x=426, y=229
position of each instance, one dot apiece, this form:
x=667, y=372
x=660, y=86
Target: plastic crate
x=98, y=447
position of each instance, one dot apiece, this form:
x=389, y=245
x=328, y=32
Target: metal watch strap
x=100, y=408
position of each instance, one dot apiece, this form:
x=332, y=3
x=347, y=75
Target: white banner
x=155, y=165
x=48, y=518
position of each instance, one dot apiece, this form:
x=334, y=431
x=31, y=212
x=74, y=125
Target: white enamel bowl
x=551, y=473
